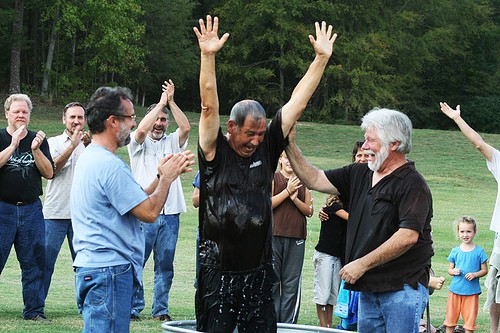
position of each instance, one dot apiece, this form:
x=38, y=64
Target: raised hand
x=37, y=141
x=87, y=138
x=168, y=90
x=447, y=110
x=208, y=38
x=323, y=44
x=77, y=136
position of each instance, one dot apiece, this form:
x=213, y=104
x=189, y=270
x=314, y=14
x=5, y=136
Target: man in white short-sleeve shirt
x=148, y=145
x=65, y=150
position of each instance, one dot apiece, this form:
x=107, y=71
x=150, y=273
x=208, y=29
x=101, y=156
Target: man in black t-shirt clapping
x=24, y=160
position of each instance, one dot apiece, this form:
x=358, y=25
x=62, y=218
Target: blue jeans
x=161, y=238
x=55, y=233
x=392, y=311
x=23, y=226
x=103, y=296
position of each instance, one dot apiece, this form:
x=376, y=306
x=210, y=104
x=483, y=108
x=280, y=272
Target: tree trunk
x=50, y=55
x=15, y=55
x=282, y=79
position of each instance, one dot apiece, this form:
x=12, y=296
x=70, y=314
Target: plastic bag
x=342, y=306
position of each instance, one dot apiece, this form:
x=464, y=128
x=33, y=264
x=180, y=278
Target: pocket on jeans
x=92, y=285
x=121, y=269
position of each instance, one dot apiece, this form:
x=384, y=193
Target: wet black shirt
x=400, y=200
x=20, y=179
x=235, y=203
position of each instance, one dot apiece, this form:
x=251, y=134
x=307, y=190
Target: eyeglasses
x=124, y=116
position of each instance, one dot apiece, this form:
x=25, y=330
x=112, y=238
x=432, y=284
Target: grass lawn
x=455, y=171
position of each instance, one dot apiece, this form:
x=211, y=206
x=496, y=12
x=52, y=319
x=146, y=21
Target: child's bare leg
x=325, y=313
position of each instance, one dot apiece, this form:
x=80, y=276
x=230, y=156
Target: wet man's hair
x=391, y=126
x=70, y=105
x=247, y=108
x=105, y=102
x=17, y=97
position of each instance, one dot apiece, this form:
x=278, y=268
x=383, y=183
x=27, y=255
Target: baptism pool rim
x=179, y=326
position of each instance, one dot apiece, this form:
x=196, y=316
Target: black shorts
x=225, y=300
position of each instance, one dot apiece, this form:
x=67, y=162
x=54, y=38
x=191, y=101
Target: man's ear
x=113, y=122
x=231, y=126
x=395, y=145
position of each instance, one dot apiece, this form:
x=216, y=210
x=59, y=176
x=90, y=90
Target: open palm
x=207, y=35
x=323, y=44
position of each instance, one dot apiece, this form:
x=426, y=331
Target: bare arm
x=196, y=197
x=312, y=177
x=323, y=216
x=42, y=163
x=210, y=44
x=7, y=152
x=169, y=169
x=343, y=214
x=179, y=116
x=323, y=48
x=452, y=270
x=467, y=131
x=482, y=272
x=152, y=187
x=62, y=159
x=394, y=247
x=293, y=184
x=306, y=206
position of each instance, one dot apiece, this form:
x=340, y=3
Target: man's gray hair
x=152, y=106
x=247, y=108
x=391, y=126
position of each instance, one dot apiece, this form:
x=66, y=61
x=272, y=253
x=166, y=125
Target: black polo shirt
x=400, y=200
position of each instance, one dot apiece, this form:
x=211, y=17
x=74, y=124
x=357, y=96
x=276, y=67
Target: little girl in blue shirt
x=467, y=265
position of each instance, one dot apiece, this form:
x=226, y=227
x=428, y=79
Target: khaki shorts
x=326, y=278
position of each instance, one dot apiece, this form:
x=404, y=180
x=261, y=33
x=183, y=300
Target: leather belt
x=16, y=203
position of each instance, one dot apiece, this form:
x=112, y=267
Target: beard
x=157, y=136
x=380, y=158
x=123, y=137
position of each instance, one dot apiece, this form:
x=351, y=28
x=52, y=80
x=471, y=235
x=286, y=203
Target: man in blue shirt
x=106, y=206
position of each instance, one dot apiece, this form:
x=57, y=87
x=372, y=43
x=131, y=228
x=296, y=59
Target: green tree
x=15, y=51
x=170, y=51
x=268, y=51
